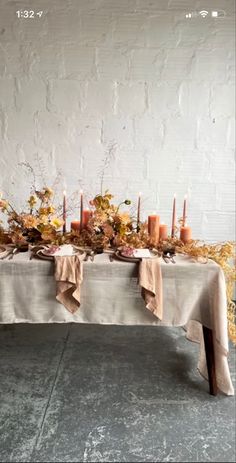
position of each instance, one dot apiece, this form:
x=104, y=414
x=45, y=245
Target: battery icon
x=218, y=14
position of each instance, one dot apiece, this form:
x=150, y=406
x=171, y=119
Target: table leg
x=210, y=359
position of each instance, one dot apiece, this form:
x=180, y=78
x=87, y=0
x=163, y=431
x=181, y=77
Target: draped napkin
x=69, y=276
x=150, y=279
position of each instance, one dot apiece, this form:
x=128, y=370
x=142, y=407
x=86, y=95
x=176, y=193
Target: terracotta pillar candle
x=163, y=231
x=185, y=210
x=139, y=209
x=185, y=234
x=75, y=225
x=64, y=211
x=153, y=228
x=86, y=216
x=81, y=209
x=173, y=218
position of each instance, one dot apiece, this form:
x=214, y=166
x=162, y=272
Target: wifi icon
x=203, y=13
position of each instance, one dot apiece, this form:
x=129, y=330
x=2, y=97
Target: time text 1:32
x=29, y=14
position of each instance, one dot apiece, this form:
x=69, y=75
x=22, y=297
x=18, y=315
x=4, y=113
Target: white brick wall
x=132, y=75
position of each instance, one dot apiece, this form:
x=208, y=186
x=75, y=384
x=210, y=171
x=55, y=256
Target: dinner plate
x=3, y=250
x=48, y=254
x=126, y=259
x=41, y=255
x=134, y=259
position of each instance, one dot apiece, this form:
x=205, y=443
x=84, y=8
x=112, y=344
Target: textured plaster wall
x=132, y=80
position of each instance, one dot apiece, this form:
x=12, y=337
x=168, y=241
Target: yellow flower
x=3, y=205
x=29, y=221
x=51, y=209
x=125, y=218
x=32, y=201
x=43, y=211
x=45, y=194
x=43, y=219
x=48, y=233
x=56, y=222
x=48, y=192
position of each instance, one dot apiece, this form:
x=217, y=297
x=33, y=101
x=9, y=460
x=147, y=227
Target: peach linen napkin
x=150, y=279
x=69, y=276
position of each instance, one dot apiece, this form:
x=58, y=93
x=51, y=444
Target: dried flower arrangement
x=107, y=226
x=39, y=223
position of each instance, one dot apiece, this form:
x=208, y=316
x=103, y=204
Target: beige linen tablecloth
x=110, y=295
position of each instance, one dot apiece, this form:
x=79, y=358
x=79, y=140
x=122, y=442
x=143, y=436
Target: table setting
x=110, y=267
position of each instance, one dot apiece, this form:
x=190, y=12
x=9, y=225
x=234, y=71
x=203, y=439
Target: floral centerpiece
x=108, y=226
x=39, y=223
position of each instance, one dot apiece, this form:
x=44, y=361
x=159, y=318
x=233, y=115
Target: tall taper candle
x=81, y=209
x=173, y=217
x=64, y=211
x=185, y=210
x=139, y=209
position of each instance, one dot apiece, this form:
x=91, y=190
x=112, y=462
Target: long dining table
x=194, y=297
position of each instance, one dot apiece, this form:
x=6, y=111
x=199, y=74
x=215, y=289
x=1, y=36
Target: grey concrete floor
x=86, y=393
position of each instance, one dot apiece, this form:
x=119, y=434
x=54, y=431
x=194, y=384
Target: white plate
x=120, y=256
x=126, y=259
x=40, y=253
x=65, y=250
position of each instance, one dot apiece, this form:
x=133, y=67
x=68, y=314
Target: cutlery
x=13, y=253
x=86, y=257
x=7, y=254
x=170, y=256
x=166, y=260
